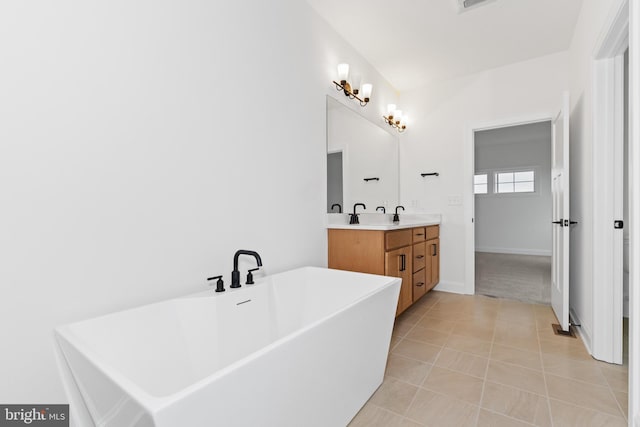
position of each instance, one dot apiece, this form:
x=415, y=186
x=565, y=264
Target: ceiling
x=416, y=42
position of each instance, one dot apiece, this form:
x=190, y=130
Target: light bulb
x=391, y=108
x=366, y=90
x=355, y=83
x=343, y=72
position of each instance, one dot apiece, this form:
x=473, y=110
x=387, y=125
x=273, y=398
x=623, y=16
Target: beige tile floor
x=458, y=360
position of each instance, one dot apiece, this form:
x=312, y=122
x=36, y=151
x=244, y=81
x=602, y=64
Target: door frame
x=634, y=214
x=469, y=172
x=607, y=162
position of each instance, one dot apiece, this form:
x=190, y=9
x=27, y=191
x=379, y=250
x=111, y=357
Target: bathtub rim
x=154, y=404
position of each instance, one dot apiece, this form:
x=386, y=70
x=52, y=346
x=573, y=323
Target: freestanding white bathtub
x=306, y=347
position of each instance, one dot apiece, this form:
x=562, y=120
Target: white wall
x=515, y=223
x=593, y=15
x=141, y=145
x=441, y=118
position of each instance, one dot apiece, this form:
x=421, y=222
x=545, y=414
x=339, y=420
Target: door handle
x=403, y=262
x=560, y=222
x=434, y=249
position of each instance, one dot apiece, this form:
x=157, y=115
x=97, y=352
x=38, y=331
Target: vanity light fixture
x=352, y=90
x=395, y=118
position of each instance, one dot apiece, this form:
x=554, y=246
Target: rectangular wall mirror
x=362, y=161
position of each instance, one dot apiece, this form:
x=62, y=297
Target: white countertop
x=382, y=222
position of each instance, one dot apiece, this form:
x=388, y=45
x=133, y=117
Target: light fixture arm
x=397, y=124
x=345, y=87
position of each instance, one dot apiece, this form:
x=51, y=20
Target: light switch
x=455, y=200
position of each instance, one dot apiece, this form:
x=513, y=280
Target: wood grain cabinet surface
x=412, y=254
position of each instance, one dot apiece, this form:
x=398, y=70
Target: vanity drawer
x=433, y=231
x=397, y=239
x=419, y=256
x=419, y=284
x=419, y=234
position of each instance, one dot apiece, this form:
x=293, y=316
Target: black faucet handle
x=250, y=276
x=219, y=283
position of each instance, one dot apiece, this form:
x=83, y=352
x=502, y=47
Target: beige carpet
x=524, y=278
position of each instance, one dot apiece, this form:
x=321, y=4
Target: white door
x=561, y=223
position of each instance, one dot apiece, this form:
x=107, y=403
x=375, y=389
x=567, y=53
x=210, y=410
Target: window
x=515, y=182
x=480, y=183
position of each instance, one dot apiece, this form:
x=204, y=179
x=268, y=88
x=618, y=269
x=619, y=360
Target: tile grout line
x=549, y=398
x=508, y=416
x=546, y=386
x=601, y=368
x=440, y=304
x=420, y=387
x=486, y=371
x=615, y=399
x=430, y=368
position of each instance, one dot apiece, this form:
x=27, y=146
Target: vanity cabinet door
x=434, y=246
x=398, y=263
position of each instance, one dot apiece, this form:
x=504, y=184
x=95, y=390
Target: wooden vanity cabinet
x=397, y=263
x=420, y=262
x=406, y=253
x=434, y=261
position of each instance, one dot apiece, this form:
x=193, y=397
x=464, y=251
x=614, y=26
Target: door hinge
x=618, y=224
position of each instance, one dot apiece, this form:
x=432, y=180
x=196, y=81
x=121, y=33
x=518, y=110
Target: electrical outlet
x=455, y=200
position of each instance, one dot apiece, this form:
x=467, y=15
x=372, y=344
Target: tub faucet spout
x=235, y=274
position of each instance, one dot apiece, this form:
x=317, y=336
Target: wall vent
x=465, y=5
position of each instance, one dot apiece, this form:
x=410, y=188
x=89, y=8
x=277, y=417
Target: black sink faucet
x=354, y=216
x=381, y=207
x=396, y=217
x=338, y=205
x=235, y=274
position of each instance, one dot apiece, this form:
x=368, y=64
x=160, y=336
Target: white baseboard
x=453, y=287
x=583, y=331
x=515, y=251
